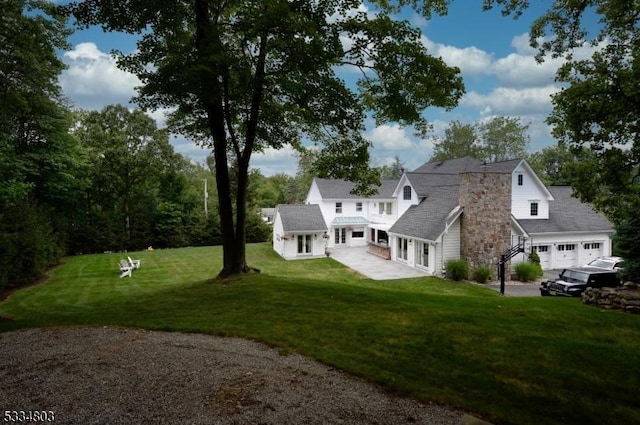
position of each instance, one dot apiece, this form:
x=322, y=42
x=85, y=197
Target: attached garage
x=573, y=235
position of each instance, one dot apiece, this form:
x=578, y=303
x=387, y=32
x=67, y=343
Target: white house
x=461, y=208
x=299, y=231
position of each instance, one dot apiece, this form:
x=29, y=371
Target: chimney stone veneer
x=485, y=231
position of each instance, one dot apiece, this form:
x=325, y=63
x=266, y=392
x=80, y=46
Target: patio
x=372, y=266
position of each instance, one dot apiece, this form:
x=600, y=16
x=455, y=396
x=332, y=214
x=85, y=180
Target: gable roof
x=428, y=219
x=300, y=218
x=341, y=189
x=567, y=214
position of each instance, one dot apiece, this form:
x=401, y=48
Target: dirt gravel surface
x=125, y=376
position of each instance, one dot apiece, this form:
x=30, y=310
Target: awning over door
x=349, y=221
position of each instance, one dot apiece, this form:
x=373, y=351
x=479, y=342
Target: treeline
x=107, y=181
x=110, y=181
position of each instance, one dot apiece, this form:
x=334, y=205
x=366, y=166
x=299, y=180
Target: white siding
x=290, y=247
x=403, y=205
x=313, y=196
x=530, y=191
x=278, y=242
x=447, y=247
x=374, y=211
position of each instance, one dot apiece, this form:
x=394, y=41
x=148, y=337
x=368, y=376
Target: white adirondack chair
x=125, y=268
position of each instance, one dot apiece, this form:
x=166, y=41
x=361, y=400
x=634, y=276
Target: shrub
x=534, y=258
x=457, y=270
x=528, y=271
x=482, y=274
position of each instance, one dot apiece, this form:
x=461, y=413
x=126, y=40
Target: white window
x=389, y=208
x=359, y=206
x=304, y=244
x=520, y=180
x=593, y=245
x=357, y=234
x=381, y=209
x=338, y=207
x=406, y=192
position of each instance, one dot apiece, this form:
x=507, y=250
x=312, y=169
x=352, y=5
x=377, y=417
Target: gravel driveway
x=124, y=376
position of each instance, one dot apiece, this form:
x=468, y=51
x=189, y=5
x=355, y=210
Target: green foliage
x=498, y=139
x=40, y=164
x=627, y=240
x=257, y=229
x=393, y=170
x=534, y=258
x=457, y=270
x=27, y=244
x=553, y=164
x=528, y=271
x=482, y=274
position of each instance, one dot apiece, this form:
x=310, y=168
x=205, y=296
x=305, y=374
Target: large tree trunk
x=211, y=95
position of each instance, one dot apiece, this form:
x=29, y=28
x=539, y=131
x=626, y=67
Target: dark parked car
x=573, y=282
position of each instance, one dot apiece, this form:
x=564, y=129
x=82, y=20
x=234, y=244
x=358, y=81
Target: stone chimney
x=485, y=231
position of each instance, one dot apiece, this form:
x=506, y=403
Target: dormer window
x=338, y=207
x=520, y=179
x=534, y=209
x=406, y=192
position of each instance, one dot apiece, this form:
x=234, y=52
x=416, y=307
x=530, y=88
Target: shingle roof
x=449, y=166
x=427, y=220
x=298, y=218
x=341, y=189
x=567, y=214
x=423, y=184
x=505, y=167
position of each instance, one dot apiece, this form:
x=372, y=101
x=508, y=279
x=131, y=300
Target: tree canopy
x=246, y=75
x=496, y=139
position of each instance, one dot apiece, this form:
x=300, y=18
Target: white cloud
x=273, y=161
x=516, y=70
x=522, y=46
x=511, y=101
x=470, y=60
x=390, y=137
x=93, y=80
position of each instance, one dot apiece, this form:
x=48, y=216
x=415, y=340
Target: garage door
x=591, y=251
x=565, y=255
x=544, y=253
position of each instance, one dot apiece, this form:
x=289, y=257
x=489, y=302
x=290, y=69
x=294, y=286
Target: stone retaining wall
x=626, y=298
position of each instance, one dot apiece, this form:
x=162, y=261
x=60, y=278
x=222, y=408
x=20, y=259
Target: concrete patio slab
x=372, y=266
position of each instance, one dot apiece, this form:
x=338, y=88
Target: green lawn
x=510, y=360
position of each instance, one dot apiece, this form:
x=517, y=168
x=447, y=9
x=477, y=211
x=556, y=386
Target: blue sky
x=496, y=62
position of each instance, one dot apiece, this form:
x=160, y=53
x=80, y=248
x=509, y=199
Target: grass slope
x=525, y=361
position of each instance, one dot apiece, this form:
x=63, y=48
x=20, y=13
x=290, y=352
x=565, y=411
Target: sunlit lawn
x=510, y=360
